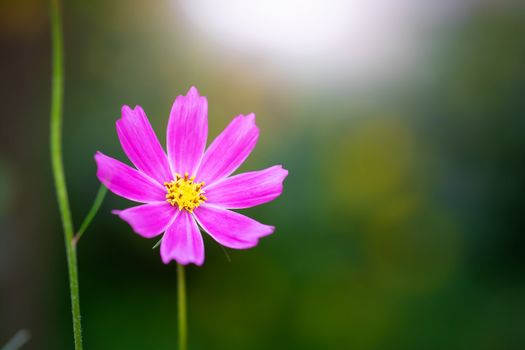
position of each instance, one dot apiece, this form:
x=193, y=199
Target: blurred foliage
x=401, y=223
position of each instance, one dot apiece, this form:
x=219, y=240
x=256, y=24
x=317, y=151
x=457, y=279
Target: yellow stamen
x=184, y=193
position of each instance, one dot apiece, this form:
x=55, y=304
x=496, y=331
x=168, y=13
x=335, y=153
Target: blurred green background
x=402, y=124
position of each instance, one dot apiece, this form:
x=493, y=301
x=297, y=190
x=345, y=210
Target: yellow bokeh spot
x=184, y=193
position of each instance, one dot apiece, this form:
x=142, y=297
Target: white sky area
x=316, y=40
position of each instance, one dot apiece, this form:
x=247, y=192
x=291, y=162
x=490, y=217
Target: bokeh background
x=402, y=124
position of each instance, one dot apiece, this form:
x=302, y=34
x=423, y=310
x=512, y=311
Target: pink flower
x=190, y=187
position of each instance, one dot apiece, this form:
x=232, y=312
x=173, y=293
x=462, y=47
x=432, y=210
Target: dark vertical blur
x=401, y=224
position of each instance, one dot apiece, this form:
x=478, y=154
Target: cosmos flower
x=190, y=186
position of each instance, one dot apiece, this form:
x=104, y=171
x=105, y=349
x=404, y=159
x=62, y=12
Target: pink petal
x=247, y=189
x=141, y=145
x=128, y=182
x=229, y=150
x=187, y=132
x=148, y=220
x=182, y=241
x=229, y=228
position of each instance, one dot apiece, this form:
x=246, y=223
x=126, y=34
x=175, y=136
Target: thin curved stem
x=101, y=194
x=183, y=325
x=57, y=92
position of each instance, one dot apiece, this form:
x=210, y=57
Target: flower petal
x=182, y=241
x=229, y=150
x=187, y=132
x=247, y=189
x=128, y=182
x=141, y=145
x=148, y=220
x=229, y=228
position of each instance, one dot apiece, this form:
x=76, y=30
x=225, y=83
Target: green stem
x=57, y=92
x=183, y=325
x=92, y=212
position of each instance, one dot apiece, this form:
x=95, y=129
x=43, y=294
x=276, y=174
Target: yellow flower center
x=184, y=193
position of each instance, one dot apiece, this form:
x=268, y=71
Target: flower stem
x=183, y=325
x=57, y=91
